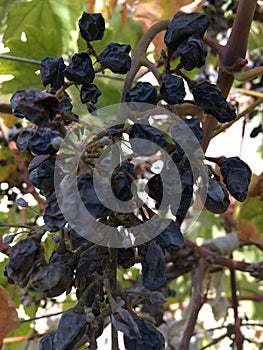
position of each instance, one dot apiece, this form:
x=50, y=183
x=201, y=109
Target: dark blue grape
x=91, y=26
x=210, y=98
x=126, y=257
x=92, y=109
x=237, y=175
x=65, y=103
x=89, y=93
x=153, y=267
x=142, y=93
x=24, y=137
x=172, y=89
x=22, y=257
x=184, y=25
x=53, y=217
x=52, y=72
x=48, y=341
x=80, y=69
x=36, y=106
x=121, y=187
x=256, y=131
x=42, y=176
x=192, y=53
x=194, y=125
x=41, y=141
x=217, y=200
x=70, y=330
x=75, y=239
x=116, y=58
x=150, y=338
x=90, y=198
x=55, y=278
x=141, y=134
x=171, y=238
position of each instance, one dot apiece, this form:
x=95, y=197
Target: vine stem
x=40, y=317
x=238, y=335
x=197, y=302
x=13, y=225
x=217, y=259
x=139, y=54
x=234, y=50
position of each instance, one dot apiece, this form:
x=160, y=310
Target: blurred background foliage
x=34, y=29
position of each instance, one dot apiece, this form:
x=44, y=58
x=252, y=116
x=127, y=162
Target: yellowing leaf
x=9, y=119
x=250, y=221
x=8, y=316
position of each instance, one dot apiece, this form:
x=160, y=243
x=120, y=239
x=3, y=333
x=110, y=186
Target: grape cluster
x=76, y=261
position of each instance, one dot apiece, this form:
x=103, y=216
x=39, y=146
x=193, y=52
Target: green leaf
x=40, y=43
x=31, y=309
x=35, y=13
x=208, y=226
x=37, y=46
x=5, y=6
x=60, y=15
x=251, y=211
x=111, y=91
x=69, y=12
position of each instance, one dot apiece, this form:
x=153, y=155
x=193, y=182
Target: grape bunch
x=77, y=261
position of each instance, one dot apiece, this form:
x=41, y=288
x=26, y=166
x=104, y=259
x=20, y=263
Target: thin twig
x=196, y=304
x=213, y=342
x=40, y=317
x=3, y=224
x=238, y=335
x=152, y=68
x=248, y=324
x=242, y=114
x=248, y=92
x=20, y=59
x=139, y=53
x=213, y=44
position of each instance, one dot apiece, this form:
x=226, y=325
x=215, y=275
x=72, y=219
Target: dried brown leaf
x=123, y=13
x=247, y=233
x=256, y=188
x=111, y=6
x=8, y=315
x=90, y=5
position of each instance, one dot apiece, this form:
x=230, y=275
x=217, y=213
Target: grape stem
x=139, y=55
